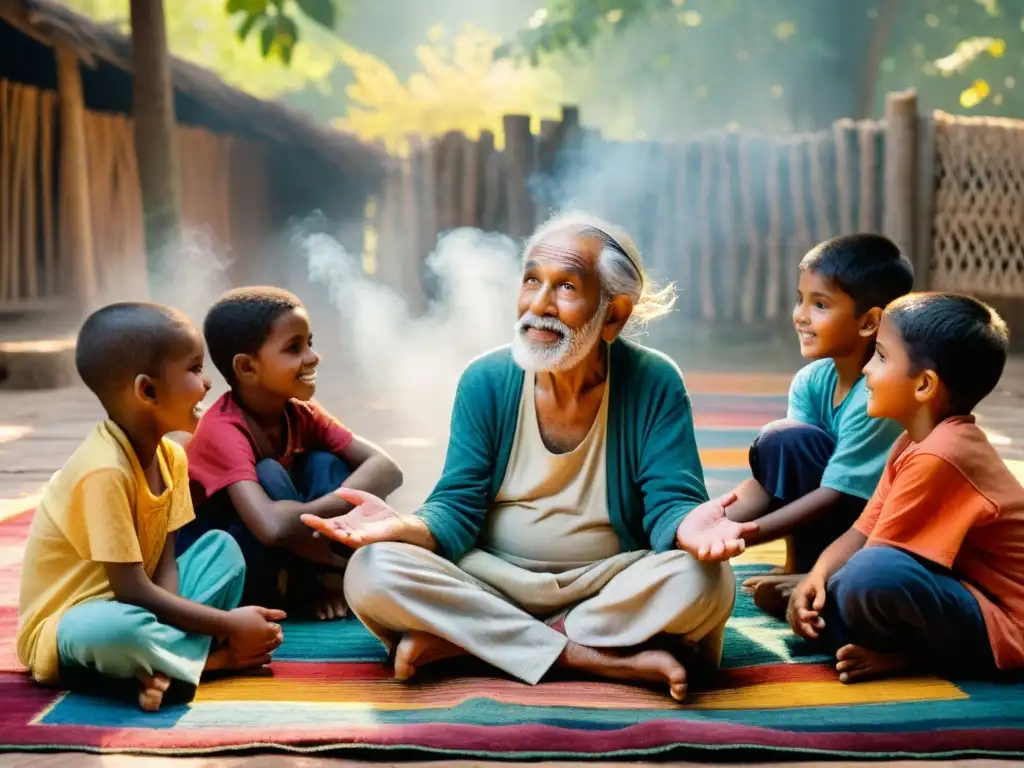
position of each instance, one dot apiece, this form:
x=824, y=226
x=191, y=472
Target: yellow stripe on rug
x=393, y=695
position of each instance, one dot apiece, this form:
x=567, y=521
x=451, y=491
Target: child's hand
x=804, y=610
x=707, y=534
x=254, y=631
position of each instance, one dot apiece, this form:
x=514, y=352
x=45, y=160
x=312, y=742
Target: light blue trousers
x=121, y=640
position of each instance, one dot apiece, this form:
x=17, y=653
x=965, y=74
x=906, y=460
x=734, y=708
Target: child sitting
x=931, y=576
x=814, y=471
x=101, y=591
x=265, y=453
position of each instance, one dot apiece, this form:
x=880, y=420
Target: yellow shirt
x=96, y=509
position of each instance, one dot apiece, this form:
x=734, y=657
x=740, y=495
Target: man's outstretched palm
x=707, y=534
x=370, y=521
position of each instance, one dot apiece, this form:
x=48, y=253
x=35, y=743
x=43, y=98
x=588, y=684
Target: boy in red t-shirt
x=931, y=576
x=266, y=453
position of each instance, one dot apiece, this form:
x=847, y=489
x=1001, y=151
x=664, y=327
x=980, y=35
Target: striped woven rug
x=330, y=691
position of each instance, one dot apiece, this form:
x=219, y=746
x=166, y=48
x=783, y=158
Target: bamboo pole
x=519, y=154
x=752, y=274
x=30, y=251
x=681, y=237
x=925, y=203
x=726, y=219
x=773, y=281
x=6, y=186
x=900, y=160
x=76, y=226
x=798, y=194
x=866, y=205
x=16, y=134
x=822, y=219
x=50, y=264
x=840, y=130
x=707, y=285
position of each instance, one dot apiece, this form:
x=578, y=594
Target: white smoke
x=399, y=371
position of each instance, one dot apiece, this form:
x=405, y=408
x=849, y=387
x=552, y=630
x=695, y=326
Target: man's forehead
x=572, y=250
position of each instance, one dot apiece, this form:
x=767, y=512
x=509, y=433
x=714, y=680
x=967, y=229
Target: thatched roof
x=54, y=24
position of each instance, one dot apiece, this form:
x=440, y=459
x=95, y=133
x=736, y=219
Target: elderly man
x=570, y=526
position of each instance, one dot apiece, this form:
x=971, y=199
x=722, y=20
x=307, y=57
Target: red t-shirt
x=951, y=500
x=222, y=451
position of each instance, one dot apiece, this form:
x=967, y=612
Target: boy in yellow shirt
x=101, y=591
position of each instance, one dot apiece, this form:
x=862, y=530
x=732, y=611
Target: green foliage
x=660, y=67
x=278, y=30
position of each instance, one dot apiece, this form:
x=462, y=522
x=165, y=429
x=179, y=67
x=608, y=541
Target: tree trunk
x=155, y=140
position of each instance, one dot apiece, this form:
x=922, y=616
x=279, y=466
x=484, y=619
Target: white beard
x=570, y=348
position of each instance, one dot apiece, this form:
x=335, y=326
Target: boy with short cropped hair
x=266, y=453
x=101, y=592
x=930, y=578
x=814, y=471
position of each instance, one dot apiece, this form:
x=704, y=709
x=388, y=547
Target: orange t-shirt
x=950, y=499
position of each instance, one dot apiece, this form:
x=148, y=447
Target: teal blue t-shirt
x=862, y=443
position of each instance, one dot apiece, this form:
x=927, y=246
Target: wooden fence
x=726, y=216
x=225, y=193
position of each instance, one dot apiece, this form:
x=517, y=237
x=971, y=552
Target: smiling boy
x=930, y=578
x=266, y=453
x=814, y=471
x=102, y=595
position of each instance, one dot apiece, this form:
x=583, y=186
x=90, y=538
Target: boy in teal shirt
x=814, y=471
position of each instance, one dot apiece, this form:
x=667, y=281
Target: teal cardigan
x=654, y=472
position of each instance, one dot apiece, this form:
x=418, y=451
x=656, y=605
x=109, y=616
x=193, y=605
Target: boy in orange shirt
x=931, y=576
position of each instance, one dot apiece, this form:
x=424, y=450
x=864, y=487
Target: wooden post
x=925, y=203
x=76, y=242
x=900, y=160
x=155, y=141
x=519, y=153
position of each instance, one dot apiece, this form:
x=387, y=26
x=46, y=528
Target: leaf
x=323, y=12
x=246, y=26
x=267, y=35
x=249, y=7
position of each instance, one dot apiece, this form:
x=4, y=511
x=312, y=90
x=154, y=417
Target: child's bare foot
x=151, y=691
x=749, y=585
x=772, y=596
x=646, y=666
x=417, y=649
x=225, y=659
x=855, y=663
x=331, y=605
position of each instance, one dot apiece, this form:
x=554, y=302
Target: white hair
x=620, y=275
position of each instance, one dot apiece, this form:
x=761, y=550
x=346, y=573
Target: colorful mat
x=330, y=691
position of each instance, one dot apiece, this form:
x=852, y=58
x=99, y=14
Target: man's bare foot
x=855, y=663
x=225, y=659
x=151, y=691
x=331, y=605
x=417, y=649
x=772, y=596
x=647, y=666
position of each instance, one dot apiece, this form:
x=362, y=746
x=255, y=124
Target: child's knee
x=271, y=474
x=870, y=588
x=222, y=549
x=778, y=436
x=101, y=627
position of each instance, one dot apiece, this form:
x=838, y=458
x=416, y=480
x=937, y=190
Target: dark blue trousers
x=788, y=459
x=888, y=600
x=273, y=576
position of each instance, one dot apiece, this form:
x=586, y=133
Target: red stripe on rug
x=650, y=737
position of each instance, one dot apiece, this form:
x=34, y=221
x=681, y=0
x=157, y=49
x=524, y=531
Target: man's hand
x=707, y=534
x=370, y=522
x=804, y=611
x=253, y=631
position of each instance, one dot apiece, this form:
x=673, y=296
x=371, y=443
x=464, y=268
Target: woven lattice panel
x=979, y=205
